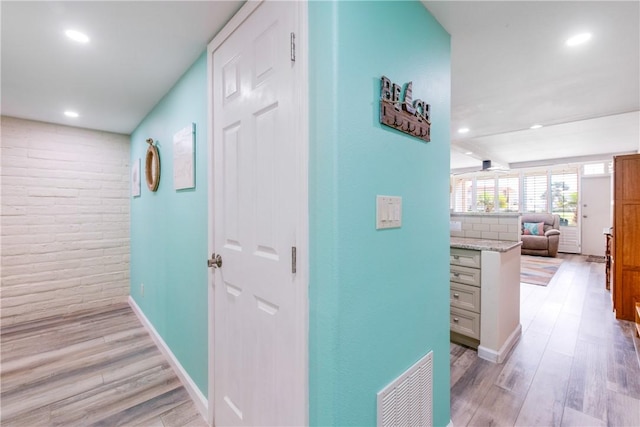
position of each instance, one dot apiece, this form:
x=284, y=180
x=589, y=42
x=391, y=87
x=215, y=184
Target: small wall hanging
x=152, y=166
x=183, y=158
x=406, y=115
x=135, y=178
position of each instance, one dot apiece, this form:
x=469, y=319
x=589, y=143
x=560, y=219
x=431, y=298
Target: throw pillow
x=534, y=228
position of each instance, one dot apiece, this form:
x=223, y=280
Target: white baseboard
x=499, y=356
x=196, y=395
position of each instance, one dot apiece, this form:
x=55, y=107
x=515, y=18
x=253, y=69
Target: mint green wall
x=169, y=228
x=378, y=300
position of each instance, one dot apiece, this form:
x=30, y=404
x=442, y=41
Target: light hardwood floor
x=94, y=368
x=575, y=364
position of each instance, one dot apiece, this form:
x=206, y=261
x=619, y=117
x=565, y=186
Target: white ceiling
x=138, y=50
x=510, y=69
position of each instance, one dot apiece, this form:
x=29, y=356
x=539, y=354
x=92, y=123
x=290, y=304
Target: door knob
x=215, y=261
x=584, y=216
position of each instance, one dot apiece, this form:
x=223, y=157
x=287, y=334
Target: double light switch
x=388, y=212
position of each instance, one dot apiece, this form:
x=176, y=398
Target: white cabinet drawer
x=466, y=275
x=465, y=297
x=464, y=257
x=465, y=322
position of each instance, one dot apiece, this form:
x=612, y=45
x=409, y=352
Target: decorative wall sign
x=135, y=178
x=152, y=166
x=406, y=115
x=183, y=158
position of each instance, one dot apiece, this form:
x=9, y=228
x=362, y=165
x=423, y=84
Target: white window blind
x=485, y=194
x=535, y=193
x=509, y=193
x=593, y=169
x=564, y=196
x=463, y=195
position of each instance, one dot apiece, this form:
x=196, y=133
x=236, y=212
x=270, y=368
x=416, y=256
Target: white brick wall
x=64, y=219
x=490, y=226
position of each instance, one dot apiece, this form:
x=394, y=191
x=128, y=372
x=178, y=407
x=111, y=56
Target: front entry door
x=259, y=323
x=596, y=213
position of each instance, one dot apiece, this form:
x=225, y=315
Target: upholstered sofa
x=545, y=244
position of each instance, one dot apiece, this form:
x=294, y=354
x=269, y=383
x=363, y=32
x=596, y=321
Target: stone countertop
x=483, y=244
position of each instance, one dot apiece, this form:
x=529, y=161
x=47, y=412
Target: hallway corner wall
x=378, y=299
x=169, y=228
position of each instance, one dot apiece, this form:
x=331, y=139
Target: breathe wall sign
x=405, y=115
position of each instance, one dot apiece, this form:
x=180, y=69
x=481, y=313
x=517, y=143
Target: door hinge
x=294, y=259
x=293, y=47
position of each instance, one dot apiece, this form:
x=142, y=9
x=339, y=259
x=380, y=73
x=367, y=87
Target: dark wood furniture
x=626, y=235
x=608, y=259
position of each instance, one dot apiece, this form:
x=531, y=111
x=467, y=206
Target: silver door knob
x=215, y=261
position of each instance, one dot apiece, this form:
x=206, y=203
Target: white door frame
x=301, y=130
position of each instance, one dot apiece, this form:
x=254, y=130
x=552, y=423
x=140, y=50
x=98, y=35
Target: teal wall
x=378, y=300
x=169, y=228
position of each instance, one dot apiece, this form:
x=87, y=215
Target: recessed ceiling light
x=463, y=130
x=71, y=114
x=468, y=153
x=579, y=39
x=77, y=36
x=536, y=127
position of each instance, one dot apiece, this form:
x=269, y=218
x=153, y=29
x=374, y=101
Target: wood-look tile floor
x=575, y=364
x=94, y=368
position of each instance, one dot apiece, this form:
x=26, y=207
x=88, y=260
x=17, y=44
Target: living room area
x=577, y=358
x=537, y=143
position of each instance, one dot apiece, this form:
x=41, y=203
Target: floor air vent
x=408, y=400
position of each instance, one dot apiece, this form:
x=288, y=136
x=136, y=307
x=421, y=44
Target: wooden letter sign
x=412, y=117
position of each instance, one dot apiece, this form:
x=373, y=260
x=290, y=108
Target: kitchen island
x=485, y=295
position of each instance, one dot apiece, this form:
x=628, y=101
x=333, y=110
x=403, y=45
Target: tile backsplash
x=495, y=226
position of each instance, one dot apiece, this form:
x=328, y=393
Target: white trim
x=194, y=392
x=450, y=423
x=499, y=356
x=302, y=131
x=233, y=24
x=302, y=101
x=210, y=237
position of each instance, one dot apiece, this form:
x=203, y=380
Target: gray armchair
x=546, y=245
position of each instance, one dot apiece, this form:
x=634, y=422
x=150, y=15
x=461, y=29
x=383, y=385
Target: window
x=535, y=192
x=564, y=197
x=593, y=169
x=463, y=195
x=601, y=168
x=485, y=194
x=509, y=193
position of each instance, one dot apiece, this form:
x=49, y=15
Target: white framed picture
x=184, y=158
x=135, y=178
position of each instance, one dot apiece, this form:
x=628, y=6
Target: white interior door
x=596, y=213
x=259, y=316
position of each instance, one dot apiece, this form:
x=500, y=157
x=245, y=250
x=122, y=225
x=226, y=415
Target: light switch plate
x=388, y=212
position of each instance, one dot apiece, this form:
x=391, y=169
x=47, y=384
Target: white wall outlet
x=141, y=289
x=455, y=226
x=388, y=212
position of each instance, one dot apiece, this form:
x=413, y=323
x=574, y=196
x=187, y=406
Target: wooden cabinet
x=608, y=254
x=464, y=278
x=484, y=290
x=626, y=235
